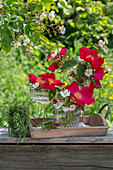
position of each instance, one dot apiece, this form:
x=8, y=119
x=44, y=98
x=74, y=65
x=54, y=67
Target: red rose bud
x=54, y=101
x=63, y=51
x=53, y=66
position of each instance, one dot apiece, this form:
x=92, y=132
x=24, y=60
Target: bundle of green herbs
x=17, y=116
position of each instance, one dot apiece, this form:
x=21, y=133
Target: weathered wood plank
x=57, y=157
x=5, y=138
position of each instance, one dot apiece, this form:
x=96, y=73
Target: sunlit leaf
x=44, y=38
x=69, y=64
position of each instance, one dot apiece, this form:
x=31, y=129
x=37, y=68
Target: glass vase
x=41, y=96
x=73, y=118
x=68, y=119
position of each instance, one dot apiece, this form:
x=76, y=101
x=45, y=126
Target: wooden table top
x=6, y=139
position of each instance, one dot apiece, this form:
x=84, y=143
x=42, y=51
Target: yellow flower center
x=69, y=72
x=51, y=16
x=35, y=85
x=40, y=80
x=72, y=107
x=62, y=29
x=26, y=41
x=90, y=56
x=51, y=80
x=88, y=72
x=78, y=95
x=65, y=93
x=101, y=43
x=17, y=45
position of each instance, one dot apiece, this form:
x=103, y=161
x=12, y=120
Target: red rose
x=91, y=56
x=63, y=51
x=32, y=78
x=99, y=74
x=82, y=96
x=53, y=66
x=50, y=82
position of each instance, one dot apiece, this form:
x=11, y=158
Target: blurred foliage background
x=86, y=23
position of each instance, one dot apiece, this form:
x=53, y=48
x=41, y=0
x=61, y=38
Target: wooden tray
x=98, y=127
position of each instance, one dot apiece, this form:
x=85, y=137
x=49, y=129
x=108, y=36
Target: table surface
x=45, y=154
x=5, y=138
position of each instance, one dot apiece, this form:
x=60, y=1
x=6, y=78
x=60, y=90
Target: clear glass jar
x=40, y=96
x=72, y=118
x=68, y=118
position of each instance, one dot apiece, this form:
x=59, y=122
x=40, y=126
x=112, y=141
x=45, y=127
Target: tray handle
x=103, y=108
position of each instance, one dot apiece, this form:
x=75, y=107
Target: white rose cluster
x=26, y=41
x=51, y=18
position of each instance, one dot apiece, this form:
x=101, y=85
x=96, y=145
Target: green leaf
x=67, y=11
x=9, y=2
x=40, y=7
x=21, y=18
x=27, y=29
x=61, y=45
x=63, y=3
x=36, y=36
x=72, y=24
x=79, y=8
x=21, y=26
x=24, y=10
x=15, y=6
x=6, y=31
x=44, y=38
x=80, y=71
x=93, y=81
x=6, y=42
x=14, y=20
x=71, y=35
x=6, y=48
x=43, y=27
x=32, y=6
x=69, y=64
x=12, y=25
x=29, y=84
x=52, y=94
x=47, y=1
